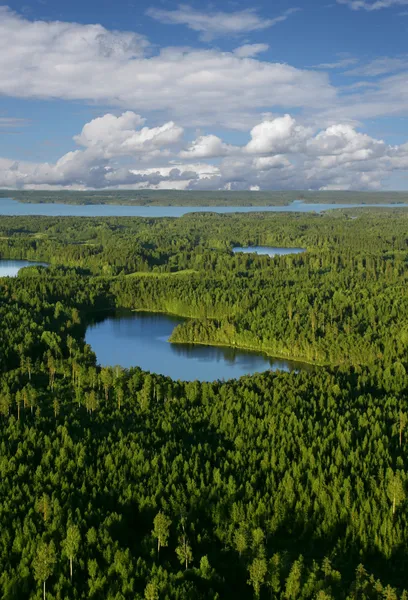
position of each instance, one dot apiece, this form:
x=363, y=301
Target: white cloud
x=117, y=136
x=206, y=146
x=122, y=152
x=194, y=87
x=380, y=66
x=374, y=5
x=265, y=163
x=213, y=24
x=277, y=136
x=387, y=98
x=344, y=141
x=250, y=50
x=339, y=64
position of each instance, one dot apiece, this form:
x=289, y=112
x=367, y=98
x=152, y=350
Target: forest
x=120, y=484
x=203, y=198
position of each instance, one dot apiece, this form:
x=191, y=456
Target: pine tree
x=70, y=545
x=257, y=571
x=183, y=551
x=43, y=563
x=395, y=490
x=161, y=530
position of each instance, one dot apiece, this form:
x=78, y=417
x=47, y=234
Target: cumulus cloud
x=213, y=24
x=206, y=146
x=277, y=136
x=265, y=163
x=119, y=152
x=345, y=142
x=118, y=136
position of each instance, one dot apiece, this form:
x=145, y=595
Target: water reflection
x=140, y=339
x=10, y=268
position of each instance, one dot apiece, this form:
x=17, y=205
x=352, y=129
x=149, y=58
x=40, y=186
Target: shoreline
x=266, y=351
x=253, y=349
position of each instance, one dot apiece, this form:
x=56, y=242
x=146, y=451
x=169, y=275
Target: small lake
x=10, y=268
x=139, y=339
x=268, y=250
x=9, y=207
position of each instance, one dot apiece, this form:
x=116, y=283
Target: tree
x=32, y=394
x=5, y=404
x=56, y=407
x=274, y=569
x=400, y=424
x=395, y=490
x=183, y=551
x=52, y=370
x=44, y=506
x=43, y=563
x=241, y=540
x=18, y=404
x=257, y=571
x=70, y=545
x=106, y=379
x=206, y=571
x=151, y=592
x=293, y=582
x=119, y=397
x=390, y=593
x=70, y=344
x=161, y=530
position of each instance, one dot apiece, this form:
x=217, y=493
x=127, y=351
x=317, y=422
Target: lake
x=10, y=268
x=268, y=250
x=139, y=339
x=9, y=207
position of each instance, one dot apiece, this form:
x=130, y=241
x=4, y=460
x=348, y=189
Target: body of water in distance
x=9, y=207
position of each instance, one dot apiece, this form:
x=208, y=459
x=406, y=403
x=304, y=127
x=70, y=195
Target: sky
x=229, y=95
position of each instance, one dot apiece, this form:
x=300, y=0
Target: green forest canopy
x=123, y=484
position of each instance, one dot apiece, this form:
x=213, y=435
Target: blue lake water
x=11, y=207
x=268, y=250
x=139, y=339
x=10, y=268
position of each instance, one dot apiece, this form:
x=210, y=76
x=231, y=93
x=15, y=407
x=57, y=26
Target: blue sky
x=224, y=95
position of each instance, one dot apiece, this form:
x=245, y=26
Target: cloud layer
x=193, y=87
x=206, y=89
x=217, y=23
x=200, y=87
x=122, y=152
x=373, y=5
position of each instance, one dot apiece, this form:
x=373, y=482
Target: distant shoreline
x=202, y=199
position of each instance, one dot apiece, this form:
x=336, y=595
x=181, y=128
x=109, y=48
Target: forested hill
x=119, y=484
x=203, y=198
